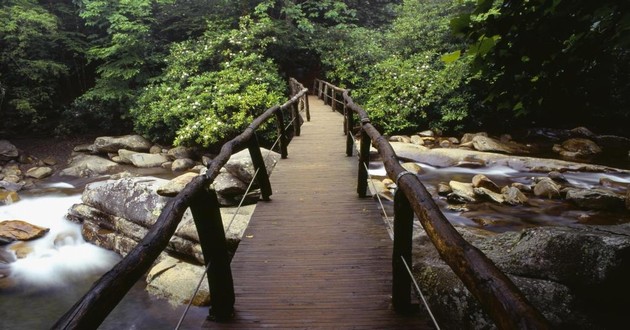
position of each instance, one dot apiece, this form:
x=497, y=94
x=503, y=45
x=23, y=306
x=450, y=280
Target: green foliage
x=540, y=57
x=212, y=88
x=30, y=64
x=404, y=95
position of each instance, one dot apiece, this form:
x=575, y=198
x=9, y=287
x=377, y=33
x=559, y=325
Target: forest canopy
x=197, y=71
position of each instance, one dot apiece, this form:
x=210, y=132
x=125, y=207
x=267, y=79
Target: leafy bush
x=418, y=92
x=212, y=88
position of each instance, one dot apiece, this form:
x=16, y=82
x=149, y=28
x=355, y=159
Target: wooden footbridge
x=315, y=254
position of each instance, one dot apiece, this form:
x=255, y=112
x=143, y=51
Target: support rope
x=240, y=204
x=390, y=230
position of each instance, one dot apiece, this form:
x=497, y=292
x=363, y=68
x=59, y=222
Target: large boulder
x=595, y=199
x=145, y=160
x=17, y=230
x=577, y=148
x=547, y=188
x=111, y=144
x=241, y=166
x=177, y=280
x=571, y=275
x=39, y=172
x=484, y=143
x=182, y=164
x=88, y=166
x=174, y=186
x=408, y=151
x=8, y=151
x=181, y=153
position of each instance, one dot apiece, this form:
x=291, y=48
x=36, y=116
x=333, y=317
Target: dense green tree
x=35, y=59
x=551, y=62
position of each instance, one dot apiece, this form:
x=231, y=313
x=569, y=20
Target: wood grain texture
x=316, y=255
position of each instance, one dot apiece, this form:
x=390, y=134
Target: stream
x=62, y=266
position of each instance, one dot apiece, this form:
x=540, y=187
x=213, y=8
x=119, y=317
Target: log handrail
x=92, y=309
x=497, y=294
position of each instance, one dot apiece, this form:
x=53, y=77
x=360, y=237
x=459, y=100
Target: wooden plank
x=316, y=255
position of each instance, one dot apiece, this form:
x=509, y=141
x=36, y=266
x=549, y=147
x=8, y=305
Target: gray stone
x=12, y=179
x=144, y=160
x=88, y=148
x=468, y=137
x=182, y=164
x=173, y=187
x=88, y=166
x=484, y=143
x=416, y=139
x=489, y=194
x=134, y=199
x=11, y=186
x=482, y=181
x=557, y=176
x=155, y=149
x=105, y=144
x=628, y=199
x=577, y=148
x=444, y=189
x=408, y=151
x=180, y=153
x=125, y=155
x=427, y=133
x=595, y=199
x=240, y=164
x=462, y=192
x=513, y=196
x=39, y=172
x=176, y=281
x=8, y=151
x=228, y=185
x=547, y=188
x=400, y=138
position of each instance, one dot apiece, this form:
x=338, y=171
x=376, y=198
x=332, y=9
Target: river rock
x=241, y=166
x=595, y=199
x=8, y=151
x=577, y=148
x=412, y=167
x=125, y=155
x=105, y=144
x=144, y=160
x=377, y=187
x=513, y=196
x=557, y=177
x=12, y=186
x=547, y=188
x=628, y=199
x=180, y=153
x=489, y=194
x=17, y=230
x=174, y=186
x=88, y=166
x=228, y=185
x=416, y=139
x=462, y=192
x=400, y=138
x=484, y=143
x=443, y=189
x=39, y=172
x=408, y=151
x=182, y=164
x=21, y=249
x=8, y=197
x=468, y=137
x=176, y=281
x=482, y=181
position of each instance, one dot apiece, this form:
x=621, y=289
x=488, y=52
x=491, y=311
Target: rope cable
x=247, y=191
x=390, y=230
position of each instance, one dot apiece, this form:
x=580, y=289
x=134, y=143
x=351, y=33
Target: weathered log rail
x=497, y=294
x=92, y=309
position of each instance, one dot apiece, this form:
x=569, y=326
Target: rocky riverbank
x=568, y=264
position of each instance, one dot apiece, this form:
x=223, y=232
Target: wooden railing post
x=333, y=100
x=403, y=230
x=207, y=216
x=284, y=140
x=348, y=130
x=259, y=165
x=364, y=159
x=326, y=94
x=308, y=108
x=295, y=115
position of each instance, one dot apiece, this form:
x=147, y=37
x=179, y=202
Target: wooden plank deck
x=316, y=255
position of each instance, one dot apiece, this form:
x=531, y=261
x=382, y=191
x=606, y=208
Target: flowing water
x=61, y=267
x=498, y=217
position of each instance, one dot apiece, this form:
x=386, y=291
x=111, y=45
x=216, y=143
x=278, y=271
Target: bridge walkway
x=316, y=255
